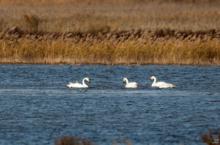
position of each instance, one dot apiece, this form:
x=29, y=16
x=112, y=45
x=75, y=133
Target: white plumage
x=129, y=84
x=161, y=85
x=79, y=85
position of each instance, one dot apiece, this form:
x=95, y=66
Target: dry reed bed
x=110, y=32
x=109, y=51
x=163, y=46
x=15, y=33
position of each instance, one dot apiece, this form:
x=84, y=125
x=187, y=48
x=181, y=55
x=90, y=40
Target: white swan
x=79, y=85
x=129, y=84
x=161, y=85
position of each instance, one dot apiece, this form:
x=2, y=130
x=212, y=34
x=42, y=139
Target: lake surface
x=36, y=108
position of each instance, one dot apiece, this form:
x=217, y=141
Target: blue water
x=36, y=108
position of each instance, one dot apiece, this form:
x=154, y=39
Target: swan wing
x=131, y=85
x=134, y=83
x=76, y=85
x=164, y=85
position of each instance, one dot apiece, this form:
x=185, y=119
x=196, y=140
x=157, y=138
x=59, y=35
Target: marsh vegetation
x=110, y=32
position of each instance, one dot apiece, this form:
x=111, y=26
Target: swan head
x=86, y=79
x=153, y=78
x=125, y=80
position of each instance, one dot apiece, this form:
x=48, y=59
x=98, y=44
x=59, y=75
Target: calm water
x=36, y=108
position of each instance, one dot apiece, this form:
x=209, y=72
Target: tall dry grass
x=100, y=1
x=31, y=22
x=111, y=52
x=74, y=15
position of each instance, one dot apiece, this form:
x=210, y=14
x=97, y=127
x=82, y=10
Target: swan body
x=79, y=85
x=129, y=84
x=161, y=85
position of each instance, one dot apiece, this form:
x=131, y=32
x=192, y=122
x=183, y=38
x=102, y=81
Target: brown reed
x=211, y=138
x=137, y=51
x=72, y=140
x=31, y=22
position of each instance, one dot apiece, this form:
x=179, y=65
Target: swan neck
x=155, y=80
x=126, y=81
x=83, y=82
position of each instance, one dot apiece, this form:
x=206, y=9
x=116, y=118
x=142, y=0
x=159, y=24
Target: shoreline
x=102, y=64
x=134, y=47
